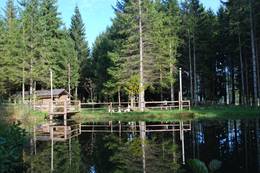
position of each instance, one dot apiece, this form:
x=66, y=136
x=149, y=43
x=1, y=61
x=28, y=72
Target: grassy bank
x=29, y=117
x=226, y=112
x=212, y=112
x=154, y=115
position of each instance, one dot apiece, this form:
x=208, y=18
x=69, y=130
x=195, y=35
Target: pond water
x=152, y=147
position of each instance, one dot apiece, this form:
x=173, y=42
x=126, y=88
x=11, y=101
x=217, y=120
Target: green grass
x=152, y=115
x=28, y=117
x=226, y=112
x=211, y=112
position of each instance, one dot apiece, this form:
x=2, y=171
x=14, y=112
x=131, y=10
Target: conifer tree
x=78, y=35
x=11, y=48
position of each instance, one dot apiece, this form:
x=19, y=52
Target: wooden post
x=51, y=91
x=111, y=126
x=79, y=128
x=119, y=100
x=182, y=142
x=180, y=93
x=52, y=149
x=142, y=128
x=120, y=128
x=34, y=138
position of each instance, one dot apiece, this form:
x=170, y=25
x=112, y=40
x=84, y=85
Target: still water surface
x=236, y=143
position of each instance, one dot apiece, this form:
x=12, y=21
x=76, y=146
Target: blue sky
x=97, y=14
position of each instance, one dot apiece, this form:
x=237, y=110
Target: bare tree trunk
x=233, y=85
x=69, y=74
x=141, y=84
x=227, y=86
x=119, y=99
x=23, y=87
x=171, y=73
x=142, y=127
x=258, y=72
x=253, y=55
x=76, y=92
x=195, y=73
x=31, y=82
x=191, y=75
x=241, y=70
x=257, y=130
x=247, y=87
x=161, y=88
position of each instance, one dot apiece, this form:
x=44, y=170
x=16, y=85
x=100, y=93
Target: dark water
x=236, y=143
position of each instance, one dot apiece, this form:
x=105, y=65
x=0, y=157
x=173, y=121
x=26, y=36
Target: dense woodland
x=138, y=56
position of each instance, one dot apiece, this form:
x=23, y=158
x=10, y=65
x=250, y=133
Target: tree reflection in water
x=66, y=160
x=234, y=142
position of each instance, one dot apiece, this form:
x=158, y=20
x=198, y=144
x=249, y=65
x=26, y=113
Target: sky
x=97, y=14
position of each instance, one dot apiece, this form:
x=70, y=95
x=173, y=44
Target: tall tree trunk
x=31, y=81
x=258, y=73
x=69, y=74
x=233, y=84
x=195, y=73
x=253, y=55
x=191, y=75
x=227, y=86
x=23, y=87
x=247, y=84
x=142, y=127
x=257, y=131
x=76, y=92
x=241, y=70
x=141, y=84
x=161, y=83
x=171, y=73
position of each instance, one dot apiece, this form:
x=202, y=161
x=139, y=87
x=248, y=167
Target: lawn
x=211, y=112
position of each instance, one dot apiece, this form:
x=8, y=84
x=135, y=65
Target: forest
x=138, y=57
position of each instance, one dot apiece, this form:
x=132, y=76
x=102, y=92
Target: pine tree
x=11, y=48
x=78, y=35
x=170, y=41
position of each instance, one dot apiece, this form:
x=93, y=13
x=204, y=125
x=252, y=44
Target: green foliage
x=132, y=85
x=80, y=63
x=197, y=166
x=12, y=141
x=41, y=161
x=215, y=165
x=32, y=42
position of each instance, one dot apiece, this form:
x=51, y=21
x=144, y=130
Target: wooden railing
x=185, y=104
x=64, y=107
x=134, y=127
x=59, y=133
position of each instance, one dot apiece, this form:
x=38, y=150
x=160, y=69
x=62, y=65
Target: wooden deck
x=64, y=107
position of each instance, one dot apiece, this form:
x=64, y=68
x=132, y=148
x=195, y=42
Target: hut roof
x=45, y=93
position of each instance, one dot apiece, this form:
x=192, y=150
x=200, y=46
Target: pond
x=152, y=147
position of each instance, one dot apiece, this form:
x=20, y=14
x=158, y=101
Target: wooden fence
x=123, y=106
